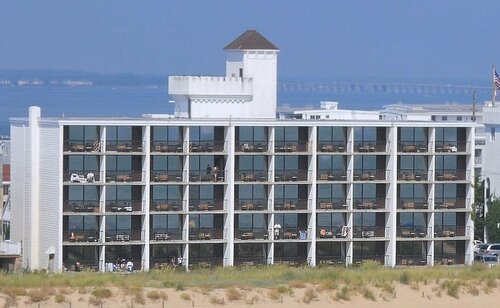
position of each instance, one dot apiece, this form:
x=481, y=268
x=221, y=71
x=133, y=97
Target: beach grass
x=268, y=277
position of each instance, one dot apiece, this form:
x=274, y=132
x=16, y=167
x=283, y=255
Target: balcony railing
x=290, y=204
x=359, y=260
x=449, y=259
x=167, y=146
x=206, y=205
x=412, y=232
x=369, y=231
x=291, y=175
x=255, y=260
x=124, y=235
x=332, y=204
x=333, y=146
x=207, y=176
x=412, y=204
x=83, y=265
x=199, y=234
x=166, y=205
x=250, y=204
x=331, y=260
x=79, y=206
x=82, y=146
x=206, y=262
x=124, y=146
x=123, y=206
x=251, y=176
x=166, y=234
x=449, y=231
x=412, y=175
x=291, y=260
x=292, y=233
x=251, y=146
x=123, y=176
x=81, y=176
x=411, y=260
x=449, y=203
x=332, y=231
x=369, y=175
x=369, y=204
x=79, y=236
x=206, y=146
x=166, y=176
x=332, y=175
x=370, y=146
x=451, y=147
x=292, y=146
x=450, y=175
x=412, y=147
x=251, y=234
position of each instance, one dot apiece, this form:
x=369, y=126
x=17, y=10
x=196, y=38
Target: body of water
x=135, y=101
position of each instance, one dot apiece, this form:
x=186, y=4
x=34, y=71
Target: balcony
x=290, y=175
x=412, y=147
x=81, y=176
x=331, y=204
x=412, y=175
x=82, y=146
x=292, y=146
x=338, y=147
x=166, y=234
x=207, y=176
x=450, y=175
x=123, y=176
x=411, y=260
x=369, y=175
x=369, y=204
x=124, y=235
x=331, y=260
x=449, y=259
x=251, y=146
x=206, y=146
x=451, y=147
x=290, y=204
x=291, y=260
x=359, y=260
x=81, y=206
x=206, y=262
x=251, y=234
x=251, y=176
x=450, y=203
x=412, y=232
x=205, y=205
x=166, y=176
x=370, y=146
x=166, y=205
x=449, y=231
x=125, y=146
x=166, y=146
x=81, y=236
x=202, y=234
x=369, y=232
x=83, y=265
x=292, y=233
x=250, y=204
x=123, y=206
x=412, y=204
x=332, y=175
x=326, y=232
x=250, y=261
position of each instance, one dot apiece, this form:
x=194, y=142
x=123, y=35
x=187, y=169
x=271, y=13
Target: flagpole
x=494, y=92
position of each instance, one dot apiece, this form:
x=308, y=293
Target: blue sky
x=443, y=39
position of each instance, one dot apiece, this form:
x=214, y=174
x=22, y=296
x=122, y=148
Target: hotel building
x=225, y=182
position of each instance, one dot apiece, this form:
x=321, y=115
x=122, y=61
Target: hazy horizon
x=443, y=40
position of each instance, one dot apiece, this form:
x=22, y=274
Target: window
x=459, y=118
x=251, y=222
x=444, y=118
x=492, y=134
x=166, y=222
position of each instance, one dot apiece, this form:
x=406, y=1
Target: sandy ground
x=417, y=296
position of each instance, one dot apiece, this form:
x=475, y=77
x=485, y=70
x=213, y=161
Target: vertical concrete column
x=312, y=173
x=102, y=201
x=270, y=202
x=470, y=177
x=350, y=194
x=34, y=208
x=146, y=171
x=185, y=198
x=229, y=198
x=432, y=199
x=391, y=199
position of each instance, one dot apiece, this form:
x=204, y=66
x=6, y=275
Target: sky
x=430, y=39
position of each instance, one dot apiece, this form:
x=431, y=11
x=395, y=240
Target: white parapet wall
x=210, y=86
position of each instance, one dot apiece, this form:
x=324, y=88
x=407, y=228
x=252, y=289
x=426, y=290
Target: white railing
x=7, y=248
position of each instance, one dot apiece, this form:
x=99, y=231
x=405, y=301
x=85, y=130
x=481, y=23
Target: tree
x=492, y=221
x=478, y=209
